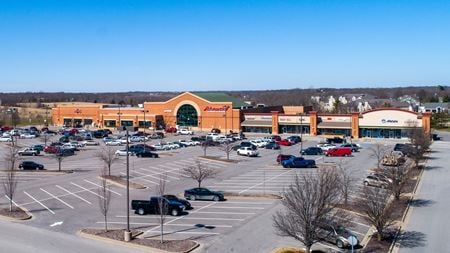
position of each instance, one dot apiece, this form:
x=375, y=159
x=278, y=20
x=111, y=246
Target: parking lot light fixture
x=127, y=233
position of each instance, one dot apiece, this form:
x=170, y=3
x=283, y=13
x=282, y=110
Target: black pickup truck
x=151, y=206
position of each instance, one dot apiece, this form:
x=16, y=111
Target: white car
x=326, y=146
x=172, y=145
x=123, y=152
x=91, y=143
x=248, y=151
x=113, y=143
x=27, y=136
x=258, y=143
x=5, y=139
x=185, y=132
x=187, y=143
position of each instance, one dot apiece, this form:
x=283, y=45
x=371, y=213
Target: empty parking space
x=207, y=218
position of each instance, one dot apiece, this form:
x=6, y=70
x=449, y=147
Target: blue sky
x=168, y=45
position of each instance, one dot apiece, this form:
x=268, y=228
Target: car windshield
x=342, y=231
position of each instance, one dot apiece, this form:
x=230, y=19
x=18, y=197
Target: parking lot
x=72, y=198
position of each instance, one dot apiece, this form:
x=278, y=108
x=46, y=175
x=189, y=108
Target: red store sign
x=216, y=109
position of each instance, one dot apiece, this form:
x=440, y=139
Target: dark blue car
x=298, y=162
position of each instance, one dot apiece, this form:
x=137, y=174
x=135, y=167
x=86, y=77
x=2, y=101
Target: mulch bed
x=218, y=158
x=17, y=213
x=121, y=181
x=168, y=245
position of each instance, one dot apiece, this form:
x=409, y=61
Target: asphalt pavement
x=427, y=228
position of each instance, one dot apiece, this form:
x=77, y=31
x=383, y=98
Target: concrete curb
x=131, y=245
x=29, y=217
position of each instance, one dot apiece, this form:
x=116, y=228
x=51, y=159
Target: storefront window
x=331, y=131
x=87, y=121
x=126, y=123
x=250, y=129
x=383, y=133
x=67, y=122
x=109, y=123
x=294, y=129
x=187, y=116
x=145, y=124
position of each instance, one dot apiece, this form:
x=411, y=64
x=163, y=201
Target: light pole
x=301, y=134
x=127, y=233
x=145, y=126
x=118, y=114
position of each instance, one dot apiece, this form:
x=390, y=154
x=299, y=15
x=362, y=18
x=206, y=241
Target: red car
x=281, y=157
x=51, y=149
x=284, y=142
x=339, y=152
x=276, y=137
x=171, y=130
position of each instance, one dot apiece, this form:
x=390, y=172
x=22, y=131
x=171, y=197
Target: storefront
x=257, y=123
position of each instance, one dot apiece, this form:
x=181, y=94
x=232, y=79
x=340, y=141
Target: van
x=339, y=152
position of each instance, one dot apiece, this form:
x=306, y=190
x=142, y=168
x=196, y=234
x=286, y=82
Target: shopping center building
x=203, y=111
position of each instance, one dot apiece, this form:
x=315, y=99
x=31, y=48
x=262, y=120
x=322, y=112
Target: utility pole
x=127, y=233
x=301, y=134
x=145, y=126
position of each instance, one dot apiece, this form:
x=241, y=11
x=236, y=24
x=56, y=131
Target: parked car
x=6, y=139
x=203, y=194
x=377, y=180
x=51, y=149
x=435, y=137
x=298, y=162
x=353, y=146
x=28, y=151
x=185, y=131
x=146, y=153
x=64, y=152
x=139, y=147
x=337, y=235
x=31, y=165
x=282, y=157
x=337, y=140
x=312, y=151
x=91, y=143
x=215, y=130
x=272, y=145
x=326, y=146
x=123, y=152
x=339, y=152
x=113, y=142
x=244, y=144
x=27, y=136
x=284, y=142
x=152, y=206
x=38, y=147
x=248, y=151
x=101, y=133
x=294, y=139
x=258, y=143
x=276, y=137
x=171, y=130
x=186, y=203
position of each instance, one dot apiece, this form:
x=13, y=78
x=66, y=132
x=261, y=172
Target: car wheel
x=366, y=183
x=340, y=244
x=192, y=197
x=174, y=212
x=216, y=198
x=141, y=211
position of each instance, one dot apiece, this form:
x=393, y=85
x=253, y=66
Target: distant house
x=434, y=107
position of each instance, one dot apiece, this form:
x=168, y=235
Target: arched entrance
x=187, y=116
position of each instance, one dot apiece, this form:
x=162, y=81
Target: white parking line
x=87, y=190
x=60, y=200
x=73, y=194
x=100, y=186
x=157, y=224
x=232, y=213
x=148, y=175
x=265, y=181
x=140, y=178
x=159, y=170
x=12, y=201
x=185, y=218
x=171, y=170
x=37, y=201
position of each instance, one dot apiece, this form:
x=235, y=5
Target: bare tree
x=310, y=202
x=59, y=157
x=108, y=156
x=199, y=172
x=205, y=145
x=104, y=197
x=378, y=152
x=420, y=143
x=376, y=206
x=163, y=204
x=398, y=176
x=10, y=181
x=45, y=138
x=346, y=180
x=227, y=147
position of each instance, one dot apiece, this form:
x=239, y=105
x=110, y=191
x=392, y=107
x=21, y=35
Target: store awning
x=256, y=123
x=335, y=125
